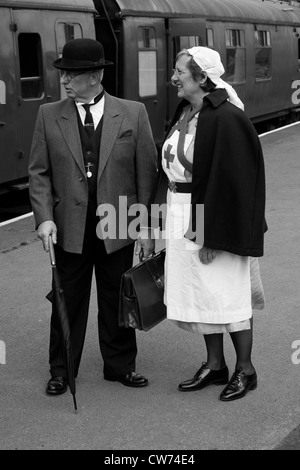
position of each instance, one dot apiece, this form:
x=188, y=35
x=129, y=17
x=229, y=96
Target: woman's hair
x=197, y=72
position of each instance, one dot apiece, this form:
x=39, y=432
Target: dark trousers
x=117, y=345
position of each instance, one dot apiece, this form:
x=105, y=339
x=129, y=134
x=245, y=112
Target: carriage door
x=8, y=108
x=183, y=34
x=144, y=72
x=29, y=27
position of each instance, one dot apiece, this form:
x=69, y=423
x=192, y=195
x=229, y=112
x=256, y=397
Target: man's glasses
x=69, y=76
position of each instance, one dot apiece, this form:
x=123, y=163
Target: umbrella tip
x=75, y=405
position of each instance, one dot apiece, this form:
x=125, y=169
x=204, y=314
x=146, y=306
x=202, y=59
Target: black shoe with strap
x=205, y=377
x=239, y=384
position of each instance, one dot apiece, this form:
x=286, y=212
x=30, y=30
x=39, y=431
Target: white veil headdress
x=209, y=61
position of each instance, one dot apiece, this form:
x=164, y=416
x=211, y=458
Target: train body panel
x=31, y=37
x=258, y=42
x=248, y=11
x=148, y=85
x=65, y=5
x=8, y=106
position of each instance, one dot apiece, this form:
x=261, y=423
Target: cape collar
x=214, y=99
x=217, y=97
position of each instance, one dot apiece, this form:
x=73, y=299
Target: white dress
x=203, y=298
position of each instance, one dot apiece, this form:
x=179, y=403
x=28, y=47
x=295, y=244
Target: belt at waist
x=180, y=187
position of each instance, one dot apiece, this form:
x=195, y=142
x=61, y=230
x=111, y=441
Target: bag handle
x=153, y=270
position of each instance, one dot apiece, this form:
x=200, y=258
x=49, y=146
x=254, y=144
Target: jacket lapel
x=68, y=124
x=112, y=118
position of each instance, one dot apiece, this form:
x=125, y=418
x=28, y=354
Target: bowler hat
x=82, y=54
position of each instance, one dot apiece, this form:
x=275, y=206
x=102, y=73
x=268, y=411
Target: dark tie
x=88, y=122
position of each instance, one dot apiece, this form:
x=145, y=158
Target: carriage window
x=64, y=32
x=147, y=61
x=235, y=55
x=209, y=37
x=31, y=69
x=185, y=42
x=146, y=37
x=263, y=54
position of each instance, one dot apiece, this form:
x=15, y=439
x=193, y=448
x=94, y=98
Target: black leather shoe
x=132, y=379
x=204, y=377
x=57, y=386
x=239, y=385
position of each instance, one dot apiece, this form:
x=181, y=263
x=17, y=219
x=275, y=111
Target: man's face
x=78, y=85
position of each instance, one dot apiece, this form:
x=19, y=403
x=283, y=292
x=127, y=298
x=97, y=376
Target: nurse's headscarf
x=209, y=61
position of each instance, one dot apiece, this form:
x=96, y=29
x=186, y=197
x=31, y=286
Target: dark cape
x=228, y=178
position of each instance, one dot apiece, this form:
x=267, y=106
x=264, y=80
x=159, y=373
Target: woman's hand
x=207, y=255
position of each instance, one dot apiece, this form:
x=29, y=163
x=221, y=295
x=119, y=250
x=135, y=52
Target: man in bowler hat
x=87, y=151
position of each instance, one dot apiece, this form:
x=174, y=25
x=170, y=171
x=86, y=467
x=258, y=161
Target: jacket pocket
x=126, y=133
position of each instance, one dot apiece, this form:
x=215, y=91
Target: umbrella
x=57, y=296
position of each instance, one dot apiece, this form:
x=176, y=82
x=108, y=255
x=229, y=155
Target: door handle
x=2, y=123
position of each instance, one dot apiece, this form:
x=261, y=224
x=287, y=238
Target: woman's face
x=182, y=78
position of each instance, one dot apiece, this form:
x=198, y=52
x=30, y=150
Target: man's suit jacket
x=57, y=175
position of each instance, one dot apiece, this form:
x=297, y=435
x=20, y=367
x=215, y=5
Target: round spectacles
x=69, y=76
x=177, y=72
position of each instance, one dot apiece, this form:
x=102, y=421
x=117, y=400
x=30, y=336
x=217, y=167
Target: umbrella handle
x=51, y=251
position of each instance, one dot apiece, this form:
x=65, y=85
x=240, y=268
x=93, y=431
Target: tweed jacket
x=57, y=176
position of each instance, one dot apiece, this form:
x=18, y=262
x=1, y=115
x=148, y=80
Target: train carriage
x=258, y=42
x=32, y=35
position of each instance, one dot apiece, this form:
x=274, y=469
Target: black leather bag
x=141, y=294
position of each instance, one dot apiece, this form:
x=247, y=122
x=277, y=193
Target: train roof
x=72, y=5
x=276, y=12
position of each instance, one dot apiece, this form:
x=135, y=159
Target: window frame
x=267, y=45
x=24, y=66
x=145, y=47
x=240, y=45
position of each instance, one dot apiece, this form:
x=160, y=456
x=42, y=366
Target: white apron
x=204, y=298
